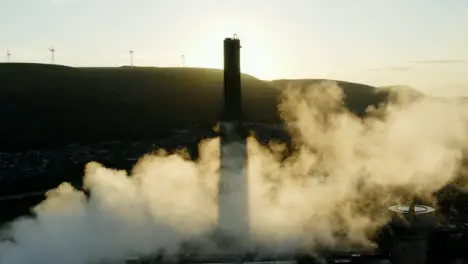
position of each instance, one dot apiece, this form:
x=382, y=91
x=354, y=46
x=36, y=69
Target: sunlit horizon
x=420, y=44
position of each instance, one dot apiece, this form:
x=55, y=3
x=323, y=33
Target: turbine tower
x=183, y=60
x=8, y=54
x=52, y=51
x=131, y=57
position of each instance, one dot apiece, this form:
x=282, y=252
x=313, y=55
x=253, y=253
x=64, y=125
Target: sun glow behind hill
x=258, y=59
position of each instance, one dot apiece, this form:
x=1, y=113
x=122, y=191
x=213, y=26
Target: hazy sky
x=421, y=43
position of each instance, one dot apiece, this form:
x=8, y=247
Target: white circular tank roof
x=418, y=209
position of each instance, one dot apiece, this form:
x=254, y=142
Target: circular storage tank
x=411, y=227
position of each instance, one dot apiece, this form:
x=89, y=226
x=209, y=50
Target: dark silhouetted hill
x=400, y=93
x=357, y=97
x=46, y=105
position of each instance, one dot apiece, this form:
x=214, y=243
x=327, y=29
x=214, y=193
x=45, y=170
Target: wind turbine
x=8, y=54
x=131, y=57
x=52, y=51
x=183, y=60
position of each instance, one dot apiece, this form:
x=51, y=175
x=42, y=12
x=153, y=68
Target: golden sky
x=418, y=43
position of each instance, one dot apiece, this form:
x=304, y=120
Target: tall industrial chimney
x=232, y=80
x=233, y=218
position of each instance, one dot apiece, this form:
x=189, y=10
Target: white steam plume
x=166, y=200
x=334, y=190
x=331, y=192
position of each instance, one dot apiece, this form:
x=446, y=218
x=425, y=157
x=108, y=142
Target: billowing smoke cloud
x=166, y=200
x=335, y=188
x=332, y=191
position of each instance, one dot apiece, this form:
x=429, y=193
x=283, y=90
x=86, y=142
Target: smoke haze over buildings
x=332, y=191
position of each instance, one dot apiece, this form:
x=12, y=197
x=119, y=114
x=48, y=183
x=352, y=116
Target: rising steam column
x=233, y=218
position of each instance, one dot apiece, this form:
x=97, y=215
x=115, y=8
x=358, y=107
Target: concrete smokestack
x=233, y=218
x=232, y=81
